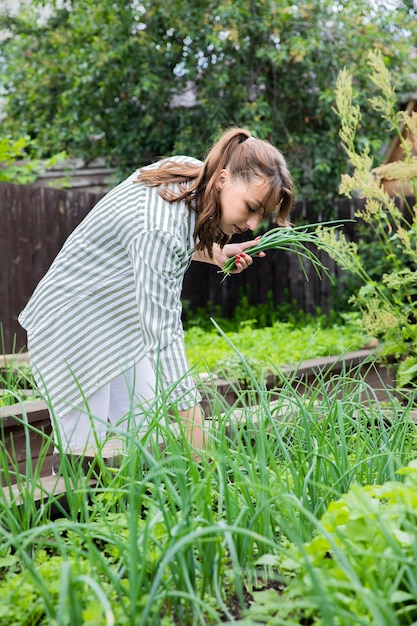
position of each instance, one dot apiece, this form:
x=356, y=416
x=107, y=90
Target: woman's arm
x=193, y=420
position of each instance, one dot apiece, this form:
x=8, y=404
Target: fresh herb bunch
x=292, y=239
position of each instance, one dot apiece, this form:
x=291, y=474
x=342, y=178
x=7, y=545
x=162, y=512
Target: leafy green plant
x=16, y=165
x=360, y=568
x=8, y=398
x=231, y=369
x=266, y=348
x=387, y=299
x=16, y=383
x=260, y=315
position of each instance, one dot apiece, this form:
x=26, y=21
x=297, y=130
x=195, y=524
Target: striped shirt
x=112, y=296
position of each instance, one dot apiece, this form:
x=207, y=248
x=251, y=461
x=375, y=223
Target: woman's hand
x=243, y=261
x=193, y=420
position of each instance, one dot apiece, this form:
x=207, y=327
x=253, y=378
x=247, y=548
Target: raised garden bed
x=25, y=425
x=379, y=377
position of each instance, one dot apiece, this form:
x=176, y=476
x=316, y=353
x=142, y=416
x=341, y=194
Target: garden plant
x=16, y=164
x=16, y=386
x=385, y=261
x=16, y=381
x=276, y=344
x=264, y=528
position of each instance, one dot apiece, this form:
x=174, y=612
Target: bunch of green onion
x=294, y=239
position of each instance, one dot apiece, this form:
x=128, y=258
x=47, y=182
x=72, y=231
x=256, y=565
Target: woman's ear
x=222, y=177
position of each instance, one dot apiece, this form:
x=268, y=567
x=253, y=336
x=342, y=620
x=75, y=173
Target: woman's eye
x=250, y=209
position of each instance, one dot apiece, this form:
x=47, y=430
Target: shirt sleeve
x=159, y=262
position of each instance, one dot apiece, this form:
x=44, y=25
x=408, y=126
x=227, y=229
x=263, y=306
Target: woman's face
x=241, y=203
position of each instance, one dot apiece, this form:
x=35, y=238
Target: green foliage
x=360, y=568
x=16, y=164
x=163, y=540
x=268, y=336
x=269, y=347
x=386, y=268
x=103, y=79
x=16, y=384
x=260, y=315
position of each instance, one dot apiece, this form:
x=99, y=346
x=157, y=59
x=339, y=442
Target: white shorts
x=121, y=403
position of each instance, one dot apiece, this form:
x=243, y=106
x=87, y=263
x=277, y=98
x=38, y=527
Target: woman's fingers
x=249, y=244
x=242, y=261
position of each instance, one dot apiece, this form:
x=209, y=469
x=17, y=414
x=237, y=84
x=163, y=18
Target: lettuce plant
x=361, y=566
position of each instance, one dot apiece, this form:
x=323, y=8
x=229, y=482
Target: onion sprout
x=291, y=239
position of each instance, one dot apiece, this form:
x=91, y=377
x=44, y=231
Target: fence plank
x=35, y=222
x=4, y=262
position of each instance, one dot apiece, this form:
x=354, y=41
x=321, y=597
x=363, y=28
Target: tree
x=104, y=78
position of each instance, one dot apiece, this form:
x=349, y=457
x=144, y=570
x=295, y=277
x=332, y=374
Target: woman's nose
x=253, y=221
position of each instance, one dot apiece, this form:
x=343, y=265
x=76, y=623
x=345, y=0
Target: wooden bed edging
x=380, y=377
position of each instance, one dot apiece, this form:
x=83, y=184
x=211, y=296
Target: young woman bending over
x=104, y=324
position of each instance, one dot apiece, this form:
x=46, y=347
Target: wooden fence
x=35, y=221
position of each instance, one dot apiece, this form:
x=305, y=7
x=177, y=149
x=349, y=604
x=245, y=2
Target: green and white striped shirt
x=112, y=296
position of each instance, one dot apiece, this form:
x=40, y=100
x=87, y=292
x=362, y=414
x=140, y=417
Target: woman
x=104, y=324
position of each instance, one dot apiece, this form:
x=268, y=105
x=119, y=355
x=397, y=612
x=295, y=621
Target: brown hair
x=197, y=183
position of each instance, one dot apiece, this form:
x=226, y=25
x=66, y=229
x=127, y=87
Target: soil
x=234, y=606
